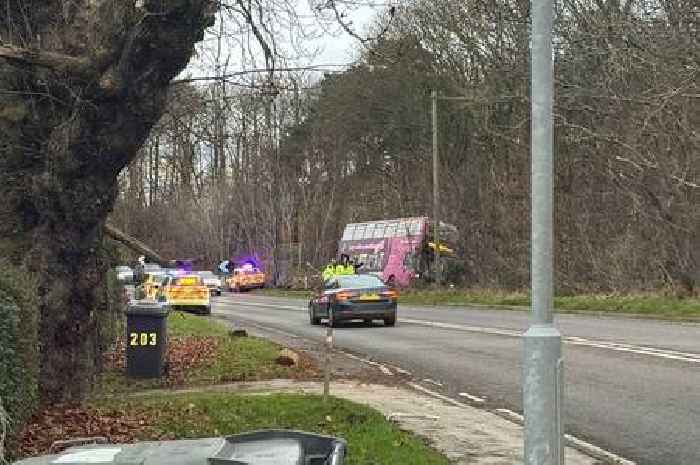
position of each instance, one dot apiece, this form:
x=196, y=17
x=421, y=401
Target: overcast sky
x=334, y=45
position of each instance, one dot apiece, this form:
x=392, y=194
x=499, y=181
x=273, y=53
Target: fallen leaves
x=127, y=423
x=186, y=357
x=63, y=422
x=184, y=354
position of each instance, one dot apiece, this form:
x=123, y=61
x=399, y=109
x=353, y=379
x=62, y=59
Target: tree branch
x=133, y=244
x=158, y=46
x=52, y=60
x=267, y=51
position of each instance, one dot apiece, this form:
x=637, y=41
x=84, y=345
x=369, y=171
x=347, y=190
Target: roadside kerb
x=477, y=403
x=465, y=434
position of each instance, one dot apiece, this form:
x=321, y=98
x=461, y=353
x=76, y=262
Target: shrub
x=110, y=304
x=19, y=348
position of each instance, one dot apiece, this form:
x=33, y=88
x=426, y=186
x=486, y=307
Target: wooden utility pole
x=436, y=191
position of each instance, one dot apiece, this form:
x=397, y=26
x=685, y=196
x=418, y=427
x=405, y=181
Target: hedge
x=110, y=305
x=19, y=327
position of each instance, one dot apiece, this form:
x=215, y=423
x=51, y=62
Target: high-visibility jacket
x=328, y=272
x=349, y=269
x=339, y=270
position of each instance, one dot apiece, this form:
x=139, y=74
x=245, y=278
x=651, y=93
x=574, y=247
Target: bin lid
x=147, y=309
x=277, y=447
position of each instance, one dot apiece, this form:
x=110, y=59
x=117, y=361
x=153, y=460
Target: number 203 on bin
x=143, y=339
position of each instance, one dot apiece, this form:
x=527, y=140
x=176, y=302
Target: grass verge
x=637, y=304
x=201, y=352
x=647, y=305
x=371, y=438
x=208, y=355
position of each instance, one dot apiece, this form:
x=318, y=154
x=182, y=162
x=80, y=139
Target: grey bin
x=146, y=340
x=277, y=447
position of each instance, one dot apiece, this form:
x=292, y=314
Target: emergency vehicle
x=246, y=277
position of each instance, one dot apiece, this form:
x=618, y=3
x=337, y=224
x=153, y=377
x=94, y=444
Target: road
x=632, y=386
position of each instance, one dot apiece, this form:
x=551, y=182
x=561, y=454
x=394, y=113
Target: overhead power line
x=324, y=67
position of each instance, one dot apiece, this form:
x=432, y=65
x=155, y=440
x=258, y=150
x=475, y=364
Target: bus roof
x=400, y=227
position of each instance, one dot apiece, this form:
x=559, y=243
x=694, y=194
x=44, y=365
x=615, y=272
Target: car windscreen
x=189, y=281
x=249, y=271
x=359, y=281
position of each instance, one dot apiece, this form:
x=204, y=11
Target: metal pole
x=542, y=386
x=327, y=364
x=300, y=226
x=436, y=190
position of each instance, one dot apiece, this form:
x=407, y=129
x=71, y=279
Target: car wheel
x=367, y=322
x=206, y=310
x=391, y=321
x=218, y=293
x=332, y=322
x=312, y=316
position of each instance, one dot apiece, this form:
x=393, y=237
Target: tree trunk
x=80, y=104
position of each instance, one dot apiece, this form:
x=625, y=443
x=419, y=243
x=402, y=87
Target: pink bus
x=394, y=250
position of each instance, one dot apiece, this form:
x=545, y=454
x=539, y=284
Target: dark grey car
x=354, y=297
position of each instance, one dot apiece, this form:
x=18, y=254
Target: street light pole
x=436, y=190
x=543, y=369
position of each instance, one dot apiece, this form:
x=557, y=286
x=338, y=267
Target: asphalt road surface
x=632, y=386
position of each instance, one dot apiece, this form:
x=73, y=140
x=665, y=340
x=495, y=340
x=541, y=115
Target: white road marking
x=596, y=451
x=642, y=350
x=573, y=441
x=471, y=397
x=432, y=381
x=511, y=415
x=401, y=371
x=378, y=365
x=399, y=415
x=573, y=340
x=474, y=329
x=437, y=395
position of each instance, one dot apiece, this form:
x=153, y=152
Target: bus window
x=349, y=231
x=409, y=260
x=379, y=231
x=405, y=228
x=415, y=227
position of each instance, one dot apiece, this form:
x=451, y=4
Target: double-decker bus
x=398, y=250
